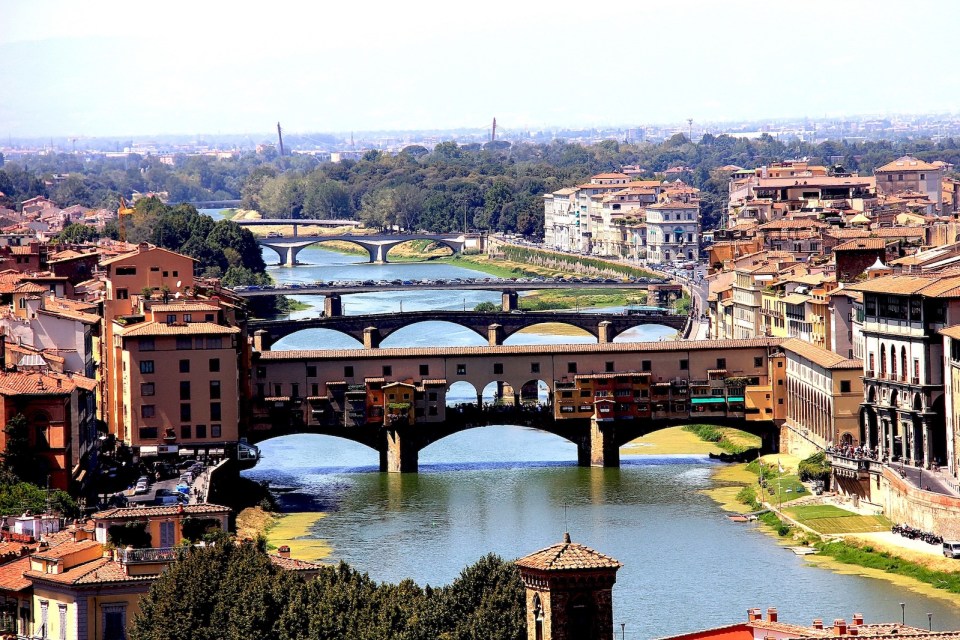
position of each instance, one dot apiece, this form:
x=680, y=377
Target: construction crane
x=124, y=210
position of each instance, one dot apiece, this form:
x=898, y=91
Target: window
x=44, y=607
x=176, y=274
x=608, y=366
x=185, y=366
x=147, y=389
x=215, y=431
x=497, y=368
x=184, y=343
x=201, y=431
x=534, y=367
x=62, y=611
x=461, y=369
x=215, y=343
x=147, y=344
x=571, y=367
x=148, y=411
x=122, y=294
x=721, y=363
x=188, y=317
x=311, y=371
x=214, y=365
x=584, y=393
x=758, y=361
x=844, y=386
x=208, y=317
x=432, y=410
x=348, y=371
x=184, y=389
x=432, y=396
x=126, y=271
x=684, y=365
x=171, y=318
x=146, y=366
x=424, y=369
x=148, y=433
x=387, y=370
x=277, y=389
x=294, y=391
x=185, y=431
x=185, y=412
x=646, y=365
x=215, y=411
x=214, y=389
x=314, y=389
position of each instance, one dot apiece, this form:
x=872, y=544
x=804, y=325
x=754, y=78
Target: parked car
x=141, y=487
x=951, y=549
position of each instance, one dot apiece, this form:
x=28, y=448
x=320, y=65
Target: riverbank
x=284, y=529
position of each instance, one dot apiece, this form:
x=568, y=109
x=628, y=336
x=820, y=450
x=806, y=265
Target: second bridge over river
x=493, y=326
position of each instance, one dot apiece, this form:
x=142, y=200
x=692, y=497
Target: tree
x=78, y=234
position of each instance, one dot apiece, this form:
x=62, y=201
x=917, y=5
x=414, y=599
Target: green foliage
x=18, y=457
x=130, y=534
x=255, y=599
x=18, y=497
x=866, y=556
x=770, y=519
x=709, y=433
x=814, y=468
x=197, y=529
x=78, y=234
x=748, y=496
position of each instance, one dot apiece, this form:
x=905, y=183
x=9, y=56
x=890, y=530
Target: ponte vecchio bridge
x=600, y=396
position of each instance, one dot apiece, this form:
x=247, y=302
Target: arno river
x=512, y=490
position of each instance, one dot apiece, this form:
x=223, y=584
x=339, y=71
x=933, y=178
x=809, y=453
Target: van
x=951, y=549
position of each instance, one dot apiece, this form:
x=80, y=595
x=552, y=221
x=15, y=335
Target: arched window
x=538, y=616
x=883, y=361
x=893, y=362
x=903, y=363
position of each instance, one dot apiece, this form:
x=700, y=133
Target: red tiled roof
x=143, y=512
x=861, y=244
x=567, y=556
x=36, y=383
x=183, y=329
x=292, y=564
x=65, y=549
x=11, y=575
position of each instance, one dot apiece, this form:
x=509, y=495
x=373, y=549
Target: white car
x=141, y=487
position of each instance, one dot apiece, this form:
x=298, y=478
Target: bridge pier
x=605, y=332
x=371, y=338
x=332, y=306
x=510, y=301
x=290, y=256
x=399, y=453
x=495, y=335
x=603, y=450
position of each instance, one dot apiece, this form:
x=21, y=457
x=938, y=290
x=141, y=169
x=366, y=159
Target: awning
x=707, y=400
x=216, y=452
x=735, y=399
x=186, y=452
x=148, y=451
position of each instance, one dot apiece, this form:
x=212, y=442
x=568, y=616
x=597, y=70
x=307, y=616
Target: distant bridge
x=492, y=326
x=215, y=204
x=377, y=246
x=297, y=223
x=494, y=284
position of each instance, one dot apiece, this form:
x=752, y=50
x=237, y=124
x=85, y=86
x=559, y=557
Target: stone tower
x=569, y=592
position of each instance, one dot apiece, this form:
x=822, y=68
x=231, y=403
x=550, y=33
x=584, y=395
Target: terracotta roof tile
x=184, y=329
x=567, y=556
x=907, y=163
x=820, y=356
x=36, y=383
x=65, y=549
x=184, y=306
x=861, y=244
x=143, y=512
x=292, y=564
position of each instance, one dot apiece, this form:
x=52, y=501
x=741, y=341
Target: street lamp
x=929, y=621
x=623, y=630
x=903, y=614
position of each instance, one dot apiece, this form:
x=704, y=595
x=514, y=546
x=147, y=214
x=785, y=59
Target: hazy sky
x=104, y=67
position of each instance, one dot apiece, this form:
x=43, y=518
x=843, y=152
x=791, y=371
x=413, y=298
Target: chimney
x=857, y=619
x=284, y=551
x=753, y=615
x=818, y=623
x=839, y=627
x=853, y=631
x=771, y=614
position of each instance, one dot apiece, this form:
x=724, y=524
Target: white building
x=673, y=232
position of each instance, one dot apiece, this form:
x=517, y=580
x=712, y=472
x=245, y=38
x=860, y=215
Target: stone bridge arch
x=455, y=246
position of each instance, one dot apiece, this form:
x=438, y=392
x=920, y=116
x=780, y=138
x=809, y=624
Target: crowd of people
x=857, y=453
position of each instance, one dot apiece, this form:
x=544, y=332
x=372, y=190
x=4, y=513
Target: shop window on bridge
x=758, y=361
x=387, y=370
x=571, y=367
x=461, y=369
x=534, y=367
x=646, y=365
x=314, y=389
x=214, y=365
x=566, y=394
x=584, y=393
x=348, y=371
x=497, y=367
x=424, y=369
x=721, y=363
x=432, y=396
x=185, y=431
x=684, y=364
x=608, y=366
x=568, y=409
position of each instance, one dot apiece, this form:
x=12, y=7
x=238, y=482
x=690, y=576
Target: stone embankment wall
x=925, y=510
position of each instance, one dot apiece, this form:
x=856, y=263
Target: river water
x=512, y=490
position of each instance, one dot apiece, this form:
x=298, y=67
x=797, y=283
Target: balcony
x=150, y=556
x=857, y=468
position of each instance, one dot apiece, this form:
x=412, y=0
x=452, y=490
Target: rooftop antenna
x=280, y=136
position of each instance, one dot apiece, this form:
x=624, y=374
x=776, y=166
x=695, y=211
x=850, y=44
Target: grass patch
x=866, y=556
x=573, y=298
x=726, y=438
x=828, y=519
